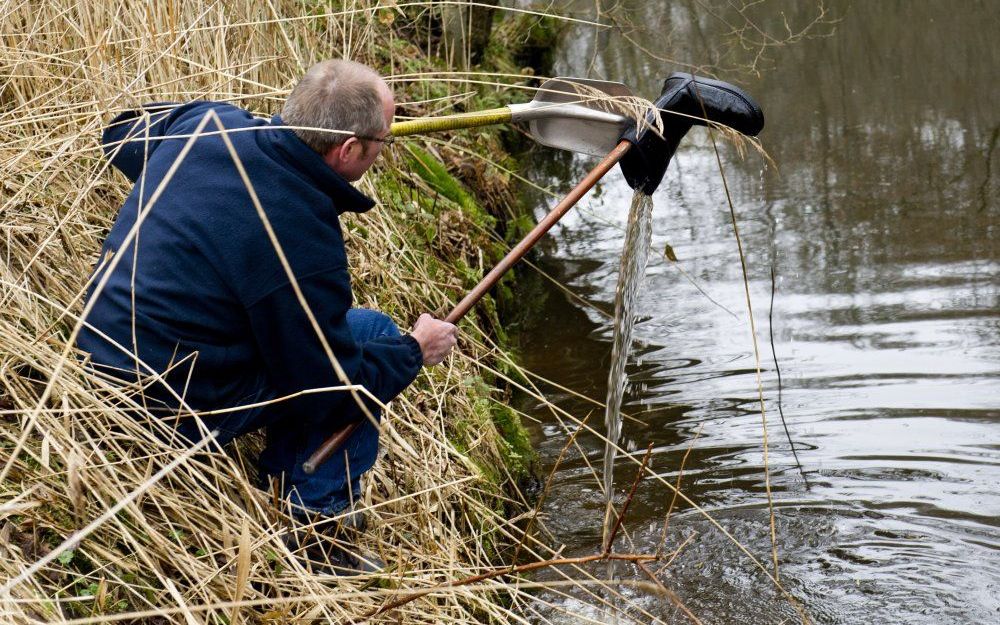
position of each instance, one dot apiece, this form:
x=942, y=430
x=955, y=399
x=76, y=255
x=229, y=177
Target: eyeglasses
x=387, y=140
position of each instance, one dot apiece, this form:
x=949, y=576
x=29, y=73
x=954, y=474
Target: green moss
x=518, y=452
x=434, y=173
x=513, y=444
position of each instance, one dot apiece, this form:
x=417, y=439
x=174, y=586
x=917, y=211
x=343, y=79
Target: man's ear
x=351, y=149
x=342, y=153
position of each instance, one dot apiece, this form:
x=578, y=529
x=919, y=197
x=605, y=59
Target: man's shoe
x=325, y=549
x=354, y=521
x=356, y=563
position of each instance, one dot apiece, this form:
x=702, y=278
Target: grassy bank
x=100, y=519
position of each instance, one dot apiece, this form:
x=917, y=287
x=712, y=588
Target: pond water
x=880, y=219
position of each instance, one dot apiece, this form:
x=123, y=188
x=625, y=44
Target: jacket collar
x=303, y=158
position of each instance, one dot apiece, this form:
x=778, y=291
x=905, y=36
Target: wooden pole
x=339, y=437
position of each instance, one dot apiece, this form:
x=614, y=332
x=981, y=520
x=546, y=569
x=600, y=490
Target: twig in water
x=506, y=570
x=677, y=489
x=777, y=369
x=545, y=491
x=753, y=336
x=669, y=593
x=677, y=552
x=695, y=284
x=628, y=500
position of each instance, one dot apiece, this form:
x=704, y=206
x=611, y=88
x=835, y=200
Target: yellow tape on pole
x=451, y=122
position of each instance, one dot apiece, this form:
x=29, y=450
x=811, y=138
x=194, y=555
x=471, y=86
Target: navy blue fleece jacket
x=213, y=306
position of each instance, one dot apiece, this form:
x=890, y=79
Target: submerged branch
x=506, y=570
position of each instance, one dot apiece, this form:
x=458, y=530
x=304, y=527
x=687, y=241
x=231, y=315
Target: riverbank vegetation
x=100, y=520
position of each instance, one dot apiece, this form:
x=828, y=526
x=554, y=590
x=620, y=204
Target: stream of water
x=881, y=221
x=635, y=253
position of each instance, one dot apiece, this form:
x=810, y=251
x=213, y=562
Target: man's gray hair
x=335, y=95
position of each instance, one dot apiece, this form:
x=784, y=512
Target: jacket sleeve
x=295, y=359
x=130, y=139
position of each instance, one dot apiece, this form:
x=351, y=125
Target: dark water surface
x=881, y=223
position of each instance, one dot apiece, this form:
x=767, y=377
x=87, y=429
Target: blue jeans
x=290, y=441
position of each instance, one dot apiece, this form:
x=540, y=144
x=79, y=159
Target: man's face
x=355, y=156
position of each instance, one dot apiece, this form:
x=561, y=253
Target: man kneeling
x=230, y=308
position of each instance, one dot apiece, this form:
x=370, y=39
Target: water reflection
x=881, y=222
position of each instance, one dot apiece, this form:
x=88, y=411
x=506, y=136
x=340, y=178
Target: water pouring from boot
x=685, y=101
